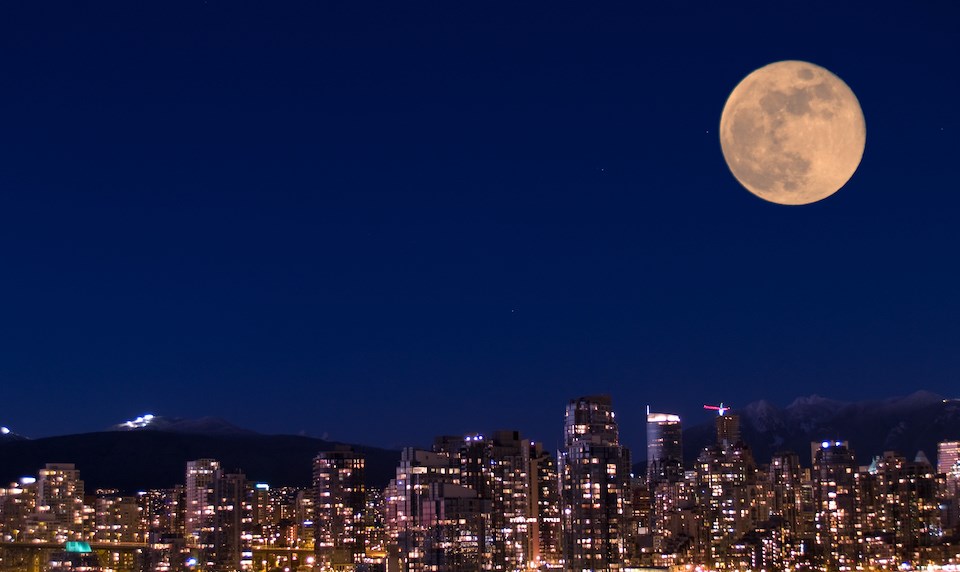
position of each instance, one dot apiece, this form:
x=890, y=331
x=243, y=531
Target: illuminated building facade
x=413, y=487
x=375, y=529
x=339, y=504
x=117, y=518
x=726, y=487
x=231, y=508
x=545, y=507
x=264, y=516
x=60, y=512
x=200, y=501
x=595, y=485
x=789, y=504
x=834, y=489
x=664, y=448
x=18, y=503
x=475, y=502
x=458, y=521
x=948, y=466
x=728, y=428
x=898, y=509
x=948, y=459
x=215, y=503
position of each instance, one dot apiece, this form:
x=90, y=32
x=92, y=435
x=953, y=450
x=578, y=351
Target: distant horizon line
x=144, y=420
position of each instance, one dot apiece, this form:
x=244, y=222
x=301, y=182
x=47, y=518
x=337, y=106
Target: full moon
x=792, y=133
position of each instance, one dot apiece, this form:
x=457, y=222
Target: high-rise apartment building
x=231, y=510
x=117, y=518
x=786, y=486
x=523, y=496
x=215, y=503
x=834, y=492
x=459, y=536
x=339, y=503
x=725, y=486
x=200, y=502
x=60, y=509
x=676, y=516
x=897, y=509
x=410, y=534
x=545, y=534
x=374, y=529
x=475, y=502
x=595, y=487
x=18, y=505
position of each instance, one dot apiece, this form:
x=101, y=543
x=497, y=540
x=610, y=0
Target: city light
x=499, y=501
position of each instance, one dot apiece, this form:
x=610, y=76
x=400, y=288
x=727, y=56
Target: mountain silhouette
x=907, y=425
x=150, y=459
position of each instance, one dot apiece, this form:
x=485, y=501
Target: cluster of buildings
x=501, y=502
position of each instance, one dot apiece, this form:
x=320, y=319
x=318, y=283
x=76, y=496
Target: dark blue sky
x=385, y=223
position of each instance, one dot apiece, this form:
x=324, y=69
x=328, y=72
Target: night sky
x=380, y=223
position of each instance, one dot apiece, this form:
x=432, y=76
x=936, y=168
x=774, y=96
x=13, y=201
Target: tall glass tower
x=664, y=448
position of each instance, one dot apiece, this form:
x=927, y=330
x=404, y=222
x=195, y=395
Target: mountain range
x=907, y=425
x=154, y=454
x=152, y=451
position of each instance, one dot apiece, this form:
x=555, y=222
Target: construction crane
x=720, y=409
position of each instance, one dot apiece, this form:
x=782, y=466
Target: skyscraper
x=338, y=508
x=476, y=502
x=664, y=448
x=785, y=483
x=725, y=477
x=420, y=520
x=200, y=503
x=215, y=504
x=521, y=475
x=545, y=505
x=595, y=483
x=232, y=505
x=834, y=492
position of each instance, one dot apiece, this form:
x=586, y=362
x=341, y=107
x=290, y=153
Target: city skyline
x=726, y=432
x=499, y=501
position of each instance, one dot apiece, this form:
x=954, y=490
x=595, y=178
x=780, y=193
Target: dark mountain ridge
x=907, y=425
x=147, y=459
x=155, y=455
